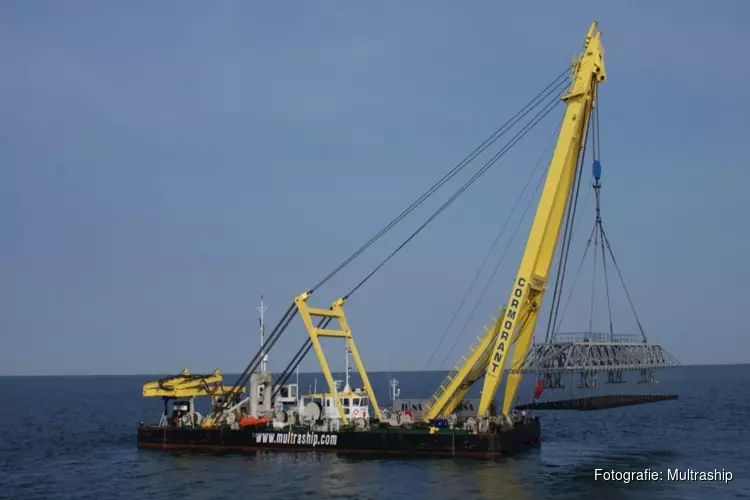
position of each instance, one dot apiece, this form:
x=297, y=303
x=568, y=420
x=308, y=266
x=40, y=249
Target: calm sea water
x=74, y=437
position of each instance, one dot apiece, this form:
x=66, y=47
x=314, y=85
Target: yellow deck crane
x=187, y=386
x=516, y=320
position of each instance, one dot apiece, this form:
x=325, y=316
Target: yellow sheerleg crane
x=522, y=309
x=515, y=324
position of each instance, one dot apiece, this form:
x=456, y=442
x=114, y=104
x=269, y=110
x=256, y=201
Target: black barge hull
x=376, y=441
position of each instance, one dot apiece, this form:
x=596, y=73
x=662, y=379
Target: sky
x=164, y=164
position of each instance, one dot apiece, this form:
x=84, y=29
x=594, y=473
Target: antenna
x=347, y=369
x=394, y=391
x=262, y=310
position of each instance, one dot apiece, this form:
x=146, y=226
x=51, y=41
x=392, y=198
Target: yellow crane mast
x=515, y=324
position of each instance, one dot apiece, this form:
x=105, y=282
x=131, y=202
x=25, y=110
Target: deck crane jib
x=511, y=333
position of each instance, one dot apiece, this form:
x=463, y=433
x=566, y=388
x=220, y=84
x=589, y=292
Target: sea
x=75, y=438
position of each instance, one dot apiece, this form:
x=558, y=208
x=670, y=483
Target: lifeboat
x=253, y=421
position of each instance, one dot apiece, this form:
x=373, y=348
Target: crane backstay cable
x=622, y=280
x=558, y=87
x=537, y=118
x=597, y=173
x=600, y=242
x=489, y=254
x=286, y=319
x=512, y=142
x=494, y=271
x=225, y=399
x=559, y=80
x=572, y=205
x=551, y=88
x=298, y=357
x=557, y=323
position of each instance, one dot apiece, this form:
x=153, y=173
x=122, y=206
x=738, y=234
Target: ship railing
x=454, y=373
x=598, y=337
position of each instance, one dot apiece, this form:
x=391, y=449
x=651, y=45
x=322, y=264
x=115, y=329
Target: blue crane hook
x=597, y=170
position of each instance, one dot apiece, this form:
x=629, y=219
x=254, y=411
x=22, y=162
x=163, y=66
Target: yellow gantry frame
x=335, y=312
x=522, y=309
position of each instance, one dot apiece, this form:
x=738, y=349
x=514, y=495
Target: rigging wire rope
x=512, y=142
x=627, y=293
x=494, y=271
x=224, y=399
x=489, y=253
x=597, y=187
x=286, y=319
x=567, y=231
x=555, y=86
x=602, y=239
x=537, y=118
x=284, y=322
x=450, y=174
x=593, y=282
x=597, y=153
x=575, y=281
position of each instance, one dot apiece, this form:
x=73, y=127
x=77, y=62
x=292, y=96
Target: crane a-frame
x=517, y=319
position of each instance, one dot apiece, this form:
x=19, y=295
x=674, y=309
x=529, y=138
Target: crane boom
x=522, y=309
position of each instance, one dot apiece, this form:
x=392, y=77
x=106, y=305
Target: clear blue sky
x=163, y=164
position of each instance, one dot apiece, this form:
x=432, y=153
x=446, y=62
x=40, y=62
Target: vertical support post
x=264, y=359
x=338, y=307
x=254, y=384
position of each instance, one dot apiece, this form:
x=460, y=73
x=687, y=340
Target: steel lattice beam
x=596, y=356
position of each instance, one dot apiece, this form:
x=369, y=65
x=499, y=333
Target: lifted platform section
x=595, y=353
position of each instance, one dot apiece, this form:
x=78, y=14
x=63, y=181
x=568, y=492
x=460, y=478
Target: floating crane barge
x=274, y=416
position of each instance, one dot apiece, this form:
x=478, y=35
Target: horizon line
x=301, y=373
